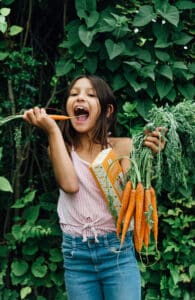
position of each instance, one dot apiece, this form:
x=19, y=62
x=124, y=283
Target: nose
x=81, y=97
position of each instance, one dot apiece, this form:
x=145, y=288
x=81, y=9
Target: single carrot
x=147, y=206
x=138, y=240
x=59, y=117
x=124, y=205
x=139, y=206
x=129, y=214
x=63, y=117
x=154, y=214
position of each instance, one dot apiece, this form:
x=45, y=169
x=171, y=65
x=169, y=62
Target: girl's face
x=83, y=103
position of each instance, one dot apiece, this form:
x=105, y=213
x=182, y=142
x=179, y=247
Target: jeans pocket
x=67, y=250
x=115, y=247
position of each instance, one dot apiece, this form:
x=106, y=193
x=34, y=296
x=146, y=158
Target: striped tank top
x=84, y=213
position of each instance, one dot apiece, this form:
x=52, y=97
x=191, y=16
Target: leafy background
x=145, y=50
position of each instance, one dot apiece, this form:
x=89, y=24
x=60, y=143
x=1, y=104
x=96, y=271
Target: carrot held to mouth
x=60, y=117
x=63, y=117
x=54, y=117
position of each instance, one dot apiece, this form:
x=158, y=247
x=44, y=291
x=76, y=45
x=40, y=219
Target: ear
x=110, y=110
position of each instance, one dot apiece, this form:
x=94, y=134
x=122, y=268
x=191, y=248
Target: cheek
x=68, y=106
x=97, y=107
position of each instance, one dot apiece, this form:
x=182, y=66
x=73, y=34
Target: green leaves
x=86, y=9
x=25, y=291
x=163, y=86
x=3, y=55
x=5, y=185
x=165, y=71
x=63, y=67
x=3, y=24
x=22, y=202
x=19, y=267
x=192, y=271
x=181, y=38
x=114, y=49
x=5, y=11
x=185, y=4
x=170, y=13
x=39, y=268
x=14, y=30
x=85, y=35
x=187, y=90
x=144, y=16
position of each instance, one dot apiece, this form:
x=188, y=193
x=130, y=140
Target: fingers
x=34, y=115
x=155, y=147
x=154, y=140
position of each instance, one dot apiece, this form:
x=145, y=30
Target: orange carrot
x=63, y=117
x=138, y=240
x=154, y=214
x=59, y=117
x=147, y=204
x=147, y=236
x=124, y=205
x=143, y=228
x=129, y=214
x=139, y=198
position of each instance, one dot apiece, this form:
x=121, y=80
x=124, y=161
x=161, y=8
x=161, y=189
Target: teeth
x=80, y=110
x=80, y=107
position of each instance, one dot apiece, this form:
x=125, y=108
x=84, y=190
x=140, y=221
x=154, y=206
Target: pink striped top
x=84, y=213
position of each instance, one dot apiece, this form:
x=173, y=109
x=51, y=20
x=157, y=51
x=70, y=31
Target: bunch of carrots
x=139, y=202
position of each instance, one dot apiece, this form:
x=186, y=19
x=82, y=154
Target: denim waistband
x=102, y=239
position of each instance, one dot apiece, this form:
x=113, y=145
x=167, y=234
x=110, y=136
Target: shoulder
x=121, y=145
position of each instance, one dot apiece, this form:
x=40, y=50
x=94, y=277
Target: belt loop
x=106, y=243
x=73, y=242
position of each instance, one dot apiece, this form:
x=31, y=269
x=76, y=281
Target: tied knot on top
x=93, y=230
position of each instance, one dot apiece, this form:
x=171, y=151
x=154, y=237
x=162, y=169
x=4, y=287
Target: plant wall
x=145, y=51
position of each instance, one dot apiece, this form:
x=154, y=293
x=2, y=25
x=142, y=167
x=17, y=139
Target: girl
x=96, y=268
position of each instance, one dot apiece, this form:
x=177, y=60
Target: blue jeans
x=101, y=271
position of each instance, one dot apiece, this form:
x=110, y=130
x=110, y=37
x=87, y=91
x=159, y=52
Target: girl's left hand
x=154, y=140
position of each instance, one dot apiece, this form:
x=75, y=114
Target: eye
x=73, y=94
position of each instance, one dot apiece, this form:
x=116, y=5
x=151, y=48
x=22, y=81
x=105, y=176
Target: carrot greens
x=167, y=170
x=171, y=166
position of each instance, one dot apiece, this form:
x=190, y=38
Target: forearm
x=62, y=164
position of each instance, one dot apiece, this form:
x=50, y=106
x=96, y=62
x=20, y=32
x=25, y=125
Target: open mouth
x=81, y=113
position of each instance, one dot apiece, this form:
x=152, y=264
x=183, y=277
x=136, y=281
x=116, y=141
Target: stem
x=28, y=23
x=65, y=13
x=11, y=96
x=136, y=169
x=10, y=118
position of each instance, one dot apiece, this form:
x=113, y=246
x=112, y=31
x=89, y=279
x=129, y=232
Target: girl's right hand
x=38, y=117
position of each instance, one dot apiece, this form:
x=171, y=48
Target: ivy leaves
x=137, y=48
x=5, y=185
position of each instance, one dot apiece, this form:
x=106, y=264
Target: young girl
x=96, y=268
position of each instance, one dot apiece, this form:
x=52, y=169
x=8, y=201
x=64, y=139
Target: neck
x=88, y=150
x=84, y=142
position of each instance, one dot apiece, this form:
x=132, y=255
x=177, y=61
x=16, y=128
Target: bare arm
x=123, y=146
x=62, y=164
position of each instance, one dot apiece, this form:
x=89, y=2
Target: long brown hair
x=104, y=125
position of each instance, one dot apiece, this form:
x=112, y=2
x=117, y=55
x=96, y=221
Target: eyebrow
x=88, y=89
x=78, y=88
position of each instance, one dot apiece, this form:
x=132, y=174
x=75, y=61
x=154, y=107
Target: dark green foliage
x=144, y=50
